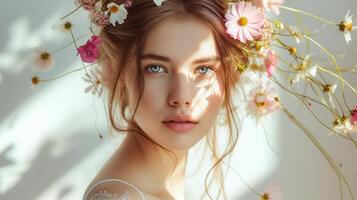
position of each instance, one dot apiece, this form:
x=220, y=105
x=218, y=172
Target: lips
x=180, y=127
x=180, y=123
x=181, y=119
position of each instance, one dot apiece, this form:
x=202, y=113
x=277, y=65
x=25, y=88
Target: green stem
x=70, y=13
x=309, y=14
x=320, y=148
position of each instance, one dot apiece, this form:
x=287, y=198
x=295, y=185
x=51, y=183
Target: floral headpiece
x=252, y=24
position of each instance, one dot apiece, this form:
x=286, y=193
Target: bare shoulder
x=114, y=189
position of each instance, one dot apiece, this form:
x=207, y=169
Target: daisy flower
x=342, y=125
x=65, y=26
x=158, y=2
x=262, y=101
x=271, y=193
x=271, y=62
x=117, y=13
x=96, y=81
x=305, y=70
x=347, y=27
x=244, y=21
x=329, y=90
x=298, y=35
x=43, y=60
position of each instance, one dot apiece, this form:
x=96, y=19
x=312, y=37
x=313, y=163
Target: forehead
x=181, y=39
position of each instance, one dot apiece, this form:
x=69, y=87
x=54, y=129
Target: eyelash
x=150, y=66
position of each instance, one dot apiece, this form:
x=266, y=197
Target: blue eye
x=154, y=68
x=206, y=68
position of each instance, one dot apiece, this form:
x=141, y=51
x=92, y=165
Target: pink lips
x=180, y=126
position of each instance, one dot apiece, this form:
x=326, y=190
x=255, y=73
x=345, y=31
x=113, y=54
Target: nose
x=181, y=90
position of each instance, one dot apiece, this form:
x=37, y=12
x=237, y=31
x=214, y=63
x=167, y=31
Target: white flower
x=95, y=79
x=117, y=13
x=305, y=70
x=329, y=90
x=342, y=125
x=158, y=2
x=298, y=35
x=347, y=27
x=42, y=60
x=65, y=26
x=262, y=100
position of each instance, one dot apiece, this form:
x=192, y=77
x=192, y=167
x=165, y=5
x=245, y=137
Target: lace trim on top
x=104, y=195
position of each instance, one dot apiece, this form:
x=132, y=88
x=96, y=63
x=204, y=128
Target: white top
x=104, y=195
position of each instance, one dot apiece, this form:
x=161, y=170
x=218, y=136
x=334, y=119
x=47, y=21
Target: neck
x=158, y=165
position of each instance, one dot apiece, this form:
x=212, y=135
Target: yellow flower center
x=97, y=82
x=292, y=50
x=336, y=122
x=349, y=27
x=327, y=88
x=67, y=25
x=265, y=196
x=242, y=21
x=35, y=80
x=114, y=9
x=260, y=100
x=343, y=26
x=45, y=56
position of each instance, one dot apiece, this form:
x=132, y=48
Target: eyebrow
x=166, y=59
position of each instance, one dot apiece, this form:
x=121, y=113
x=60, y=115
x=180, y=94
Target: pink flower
x=90, y=52
x=267, y=31
x=128, y=3
x=269, y=5
x=271, y=62
x=354, y=116
x=272, y=193
x=262, y=101
x=244, y=21
x=86, y=4
x=99, y=18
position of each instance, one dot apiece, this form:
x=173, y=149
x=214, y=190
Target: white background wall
x=49, y=147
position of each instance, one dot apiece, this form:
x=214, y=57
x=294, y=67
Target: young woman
x=169, y=73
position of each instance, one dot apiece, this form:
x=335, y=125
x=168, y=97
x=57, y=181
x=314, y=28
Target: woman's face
x=181, y=69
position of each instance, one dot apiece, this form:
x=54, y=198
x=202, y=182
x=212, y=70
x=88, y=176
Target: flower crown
x=248, y=22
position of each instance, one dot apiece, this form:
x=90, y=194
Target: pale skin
x=181, y=69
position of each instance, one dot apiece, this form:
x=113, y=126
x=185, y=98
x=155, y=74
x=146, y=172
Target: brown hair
x=123, y=44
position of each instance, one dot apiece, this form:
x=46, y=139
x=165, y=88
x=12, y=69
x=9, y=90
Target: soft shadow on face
x=182, y=74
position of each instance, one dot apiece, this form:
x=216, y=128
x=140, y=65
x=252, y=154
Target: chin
x=180, y=144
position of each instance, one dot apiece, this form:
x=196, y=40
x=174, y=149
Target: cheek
x=208, y=102
x=154, y=94
x=151, y=103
